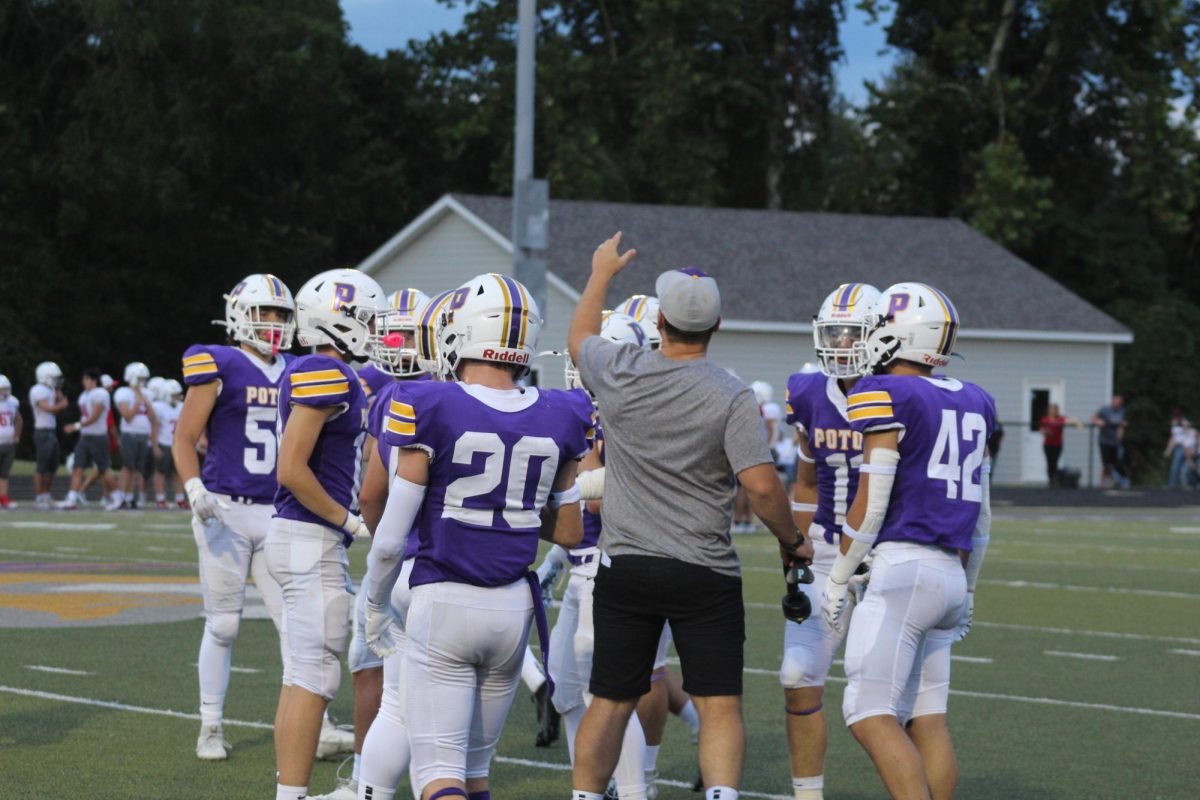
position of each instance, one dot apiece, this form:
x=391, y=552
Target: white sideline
x=57, y=670
x=263, y=726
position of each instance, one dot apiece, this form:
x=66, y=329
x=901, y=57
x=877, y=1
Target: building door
x=1039, y=394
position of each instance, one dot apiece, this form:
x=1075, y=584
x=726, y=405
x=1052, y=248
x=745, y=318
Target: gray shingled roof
x=778, y=266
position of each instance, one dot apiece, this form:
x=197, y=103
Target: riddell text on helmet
x=509, y=356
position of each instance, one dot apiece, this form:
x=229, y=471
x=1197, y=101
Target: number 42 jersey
x=241, y=428
x=944, y=427
x=493, y=457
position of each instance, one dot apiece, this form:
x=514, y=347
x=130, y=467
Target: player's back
x=493, y=457
x=242, y=445
x=944, y=427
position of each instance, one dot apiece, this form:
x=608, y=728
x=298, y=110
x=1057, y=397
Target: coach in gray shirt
x=678, y=429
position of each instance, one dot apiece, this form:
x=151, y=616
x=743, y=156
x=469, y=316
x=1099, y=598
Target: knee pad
x=223, y=627
x=800, y=669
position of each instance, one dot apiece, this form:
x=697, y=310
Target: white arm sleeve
x=391, y=536
x=591, y=484
x=983, y=528
x=882, y=469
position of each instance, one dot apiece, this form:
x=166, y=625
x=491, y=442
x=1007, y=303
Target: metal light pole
x=531, y=198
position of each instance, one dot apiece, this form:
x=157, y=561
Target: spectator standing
x=1052, y=439
x=1176, y=449
x=48, y=401
x=1110, y=419
x=10, y=433
x=667, y=554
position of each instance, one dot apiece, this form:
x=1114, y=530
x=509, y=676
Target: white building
x=1025, y=338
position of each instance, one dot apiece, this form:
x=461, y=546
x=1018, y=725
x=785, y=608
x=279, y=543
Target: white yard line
x=1142, y=637
x=1085, y=656
x=1184, y=529
x=971, y=659
x=80, y=556
x=1187, y=652
x=993, y=558
x=1066, y=587
x=72, y=549
x=57, y=670
x=58, y=526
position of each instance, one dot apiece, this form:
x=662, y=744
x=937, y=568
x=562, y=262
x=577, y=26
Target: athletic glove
x=834, y=603
x=967, y=618
x=381, y=630
x=206, y=506
x=355, y=526
x=862, y=577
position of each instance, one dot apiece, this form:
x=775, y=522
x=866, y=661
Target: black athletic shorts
x=45, y=443
x=635, y=595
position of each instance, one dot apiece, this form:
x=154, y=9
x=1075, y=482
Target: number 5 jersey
x=241, y=428
x=944, y=427
x=493, y=457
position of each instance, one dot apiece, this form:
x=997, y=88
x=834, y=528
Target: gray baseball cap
x=689, y=299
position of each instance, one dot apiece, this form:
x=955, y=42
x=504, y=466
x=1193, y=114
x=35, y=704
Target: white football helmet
x=616, y=327
x=394, y=343
x=106, y=381
x=430, y=319
x=154, y=388
x=136, y=374
x=338, y=308
x=915, y=323
x=840, y=330
x=47, y=373
x=644, y=309
x=762, y=392
x=172, y=391
x=5, y=387
x=492, y=318
x=243, y=314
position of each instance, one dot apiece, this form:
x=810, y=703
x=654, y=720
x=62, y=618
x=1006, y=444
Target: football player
x=48, y=401
x=488, y=467
x=644, y=309
x=231, y=402
x=572, y=641
x=92, y=447
x=10, y=433
x=829, y=457
x=138, y=429
x=322, y=423
x=923, y=505
x=393, y=356
x=166, y=409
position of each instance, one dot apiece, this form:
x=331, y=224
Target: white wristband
x=564, y=498
x=802, y=508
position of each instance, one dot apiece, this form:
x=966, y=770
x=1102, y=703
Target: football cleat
x=66, y=505
x=211, y=745
x=7, y=504
x=334, y=741
x=160, y=504
x=346, y=789
x=547, y=716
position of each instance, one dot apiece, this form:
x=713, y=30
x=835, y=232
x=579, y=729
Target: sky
x=380, y=25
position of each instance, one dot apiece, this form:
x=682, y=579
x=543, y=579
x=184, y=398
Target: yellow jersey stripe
x=199, y=358
x=868, y=397
x=321, y=391
x=201, y=369
x=401, y=428
x=298, y=378
x=946, y=311
x=508, y=310
x=871, y=412
x=402, y=409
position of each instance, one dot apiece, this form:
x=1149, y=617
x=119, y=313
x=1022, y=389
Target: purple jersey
x=944, y=427
x=321, y=381
x=591, y=522
x=493, y=457
x=375, y=422
x=373, y=380
x=817, y=406
x=241, y=428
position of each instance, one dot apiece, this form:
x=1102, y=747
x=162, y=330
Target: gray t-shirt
x=1110, y=434
x=675, y=435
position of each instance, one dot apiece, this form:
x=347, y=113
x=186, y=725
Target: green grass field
x=1081, y=678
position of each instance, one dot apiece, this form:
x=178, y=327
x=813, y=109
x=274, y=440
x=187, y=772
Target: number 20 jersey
x=241, y=428
x=493, y=457
x=944, y=427
x=817, y=406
